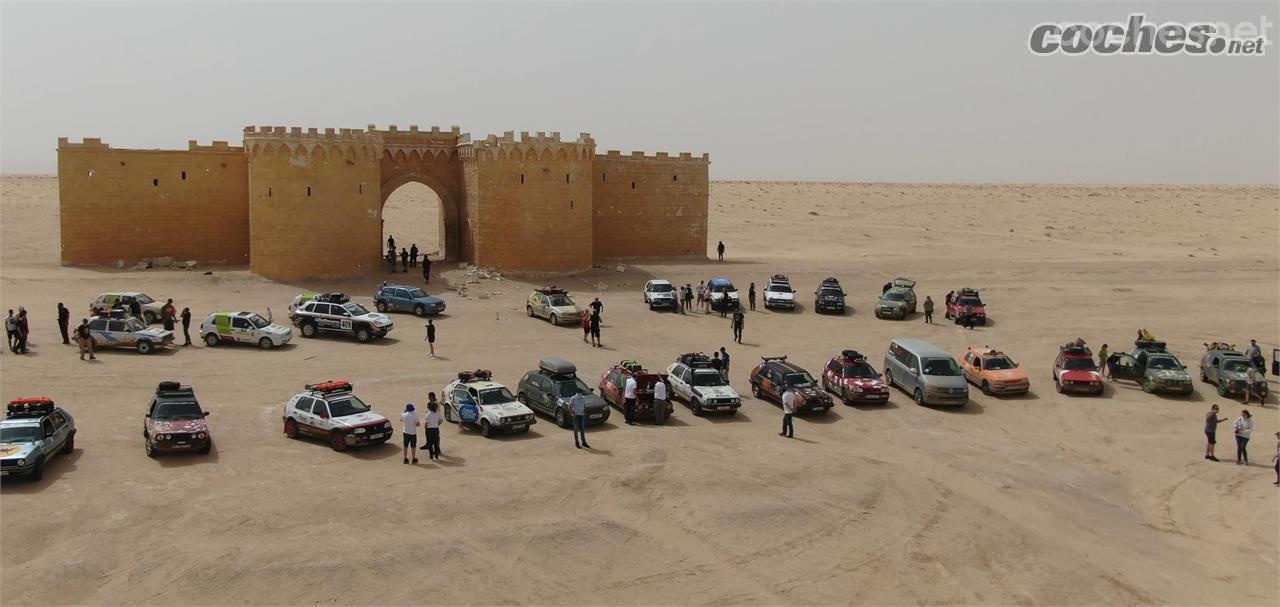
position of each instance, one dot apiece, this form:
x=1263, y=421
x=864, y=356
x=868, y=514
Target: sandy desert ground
x=1043, y=499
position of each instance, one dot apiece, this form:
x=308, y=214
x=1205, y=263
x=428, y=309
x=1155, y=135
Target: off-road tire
x=150, y=449
x=338, y=441
x=363, y=334
x=986, y=388
x=486, y=429
x=205, y=449
x=70, y=445
x=381, y=306
x=562, y=419
x=555, y=320
x=37, y=472
x=265, y=343
x=145, y=346
x=1147, y=385
x=755, y=391
x=149, y=317
x=888, y=377
x=696, y=407
x=529, y=310
x=918, y=396
x=309, y=329
x=211, y=339
x=291, y=428
x=1224, y=389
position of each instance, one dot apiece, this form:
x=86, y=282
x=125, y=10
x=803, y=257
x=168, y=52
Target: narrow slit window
x=268, y=191
x=675, y=178
x=633, y=185
x=361, y=189
x=184, y=175
x=570, y=205
x=566, y=178
x=602, y=179
x=155, y=183
x=308, y=191
x=521, y=177
x=89, y=174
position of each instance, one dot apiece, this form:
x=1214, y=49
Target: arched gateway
x=307, y=204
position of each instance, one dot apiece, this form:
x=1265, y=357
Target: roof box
x=852, y=355
x=557, y=366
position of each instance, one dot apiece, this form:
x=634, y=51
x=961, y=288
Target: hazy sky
x=908, y=91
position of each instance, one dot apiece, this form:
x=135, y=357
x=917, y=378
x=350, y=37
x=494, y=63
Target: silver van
x=926, y=372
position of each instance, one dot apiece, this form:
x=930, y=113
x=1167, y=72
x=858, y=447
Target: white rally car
x=243, y=327
x=329, y=410
x=660, y=294
x=778, y=294
x=121, y=331
x=474, y=399
x=696, y=382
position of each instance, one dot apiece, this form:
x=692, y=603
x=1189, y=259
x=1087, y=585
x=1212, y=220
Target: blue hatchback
x=406, y=298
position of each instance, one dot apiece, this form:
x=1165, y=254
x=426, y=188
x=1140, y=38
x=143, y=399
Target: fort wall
x=118, y=204
x=649, y=206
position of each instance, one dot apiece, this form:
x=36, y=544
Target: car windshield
x=722, y=288
x=859, y=370
x=143, y=299
x=968, y=301
x=798, y=380
x=417, y=293
x=997, y=362
x=346, y=405
x=19, y=434
x=829, y=291
x=1237, y=366
x=941, y=366
x=177, y=410
x=1078, y=364
x=780, y=288
x=133, y=324
x=496, y=396
x=1163, y=363
x=258, y=322
x=569, y=388
x=709, y=379
x=561, y=301
x=893, y=296
x=661, y=288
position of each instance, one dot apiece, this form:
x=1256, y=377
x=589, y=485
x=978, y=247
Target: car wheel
x=555, y=320
x=1057, y=385
x=529, y=311
x=381, y=306
x=561, y=419
x=844, y=395
x=696, y=407
x=309, y=329
x=37, y=473
x=420, y=310
x=447, y=416
x=918, y=396
x=205, y=449
x=1224, y=388
x=363, y=335
x=755, y=390
x=486, y=429
x=211, y=339
x=150, y=449
x=265, y=343
x=1147, y=386
x=291, y=428
x=986, y=388
x=149, y=317
x=1204, y=377
x=145, y=347
x=888, y=377
x=338, y=441
x=70, y=445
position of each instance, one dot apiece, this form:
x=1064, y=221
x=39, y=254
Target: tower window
x=566, y=178
x=184, y=175
x=675, y=178
x=155, y=183
x=361, y=189
x=570, y=205
x=602, y=180
x=521, y=177
x=89, y=174
x=633, y=185
x=308, y=190
x=268, y=191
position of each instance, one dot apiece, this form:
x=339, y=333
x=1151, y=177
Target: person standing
x=951, y=298
x=413, y=255
x=586, y=326
x=688, y=297
x=432, y=424
x=84, y=339
x=404, y=260
x=885, y=289
x=968, y=317
x=660, y=403
x=409, y=432
x=724, y=361
x=186, y=326
x=579, y=405
x=1113, y=361
x=594, y=325
x=1244, y=429
x=391, y=243
x=928, y=310
x=788, y=410
x=739, y=320
x=629, y=401
x=1254, y=354
x=431, y=338
x=702, y=294
x=751, y=296
x=168, y=314
x=11, y=331
x=1103, y=353
x=717, y=363
x=1253, y=384
x=596, y=306
x=426, y=269
x=135, y=310
x=24, y=330
x=391, y=261
x=720, y=250
x=1275, y=459
x=1211, y=421
x=64, y=317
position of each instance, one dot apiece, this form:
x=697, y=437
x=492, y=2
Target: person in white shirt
x=578, y=404
x=1244, y=429
x=409, y=425
x=433, y=427
x=629, y=401
x=1252, y=384
x=788, y=409
x=660, y=402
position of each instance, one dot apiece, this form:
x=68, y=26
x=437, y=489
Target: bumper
x=1172, y=389
x=595, y=418
x=17, y=470
x=178, y=447
x=721, y=406
x=1010, y=389
x=868, y=397
x=519, y=426
x=828, y=305
x=662, y=303
x=380, y=331
x=1081, y=387
x=814, y=407
x=936, y=398
x=891, y=313
x=779, y=304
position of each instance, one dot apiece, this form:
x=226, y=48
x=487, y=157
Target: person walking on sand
x=413, y=255
x=432, y=424
x=1244, y=429
x=426, y=268
x=579, y=405
x=404, y=260
x=24, y=330
x=724, y=362
x=928, y=310
x=431, y=338
x=586, y=326
x=84, y=339
x=594, y=325
x=168, y=315
x=1275, y=459
x=788, y=410
x=751, y=296
x=596, y=306
x=1211, y=421
x=629, y=401
x=720, y=250
x=409, y=432
x=11, y=331
x=1103, y=352
x=186, y=326
x=946, y=312
x=64, y=317
x=739, y=320
x=1253, y=384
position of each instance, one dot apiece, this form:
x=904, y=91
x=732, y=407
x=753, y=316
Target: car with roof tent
x=331, y=411
x=548, y=388
x=175, y=422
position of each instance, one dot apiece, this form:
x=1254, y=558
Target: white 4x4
x=474, y=399
x=696, y=382
x=330, y=411
x=660, y=293
x=340, y=316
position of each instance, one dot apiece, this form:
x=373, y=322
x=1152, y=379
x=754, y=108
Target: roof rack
x=1220, y=345
x=112, y=313
x=782, y=358
x=35, y=406
x=780, y=278
x=1076, y=350
x=338, y=298
x=557, y=366
x=173, y=389
x=853, y=355
x=695, y=359
x=969, y=292
x=830, y=280
x=477, y=375
x=333, y=385
x=1150, y=345
x=631, y=365
x=552, y=290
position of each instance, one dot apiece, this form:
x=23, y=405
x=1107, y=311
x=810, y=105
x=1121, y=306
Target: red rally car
x=853, y=379
x=965, y=298
x=1075, y=371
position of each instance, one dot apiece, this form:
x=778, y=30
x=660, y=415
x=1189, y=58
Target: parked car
x=899, y=301
x=1227, y=369
x=778, y=294
x=406, y=298
x=336, y=313
x=612, y=389
x=994, y=372
x=1154, y=368
x=554, y=305
x=771, y=378
x=548, y=388
x=1074, y=371
x=302, y=298
x=104, y=302
x=475, y=400
x=123, y=331
x=829, y=296
x=175, y=421
x=926, y=372
x=703, y=387
x=660, y=294
x=32, y=432
x=723, y=294
x=853, y=379
x=331, y=411
x=230, y=327
x=963, y=300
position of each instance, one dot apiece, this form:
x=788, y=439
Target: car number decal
x=344, y=325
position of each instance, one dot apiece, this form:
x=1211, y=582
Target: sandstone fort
x=299, y=203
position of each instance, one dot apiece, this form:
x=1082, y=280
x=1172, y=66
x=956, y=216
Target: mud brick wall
x=649, y=206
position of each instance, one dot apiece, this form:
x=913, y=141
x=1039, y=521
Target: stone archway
x=450, y=214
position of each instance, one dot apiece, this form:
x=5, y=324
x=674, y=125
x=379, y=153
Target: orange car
x=994, y=372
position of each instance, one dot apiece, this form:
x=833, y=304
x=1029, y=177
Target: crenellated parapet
x=541, y=145
x=659, y=156
x=415, y=143
x=215, y=146
x=88, y=143
x=296, y=141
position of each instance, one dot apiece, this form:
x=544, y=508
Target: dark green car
x=548, y=389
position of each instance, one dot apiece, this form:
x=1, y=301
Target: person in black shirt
x=739, y=320
x=413, y=255
x=596, y=306
x=751, y=296
x=595, y=330
x=404, y=260
x=720, y=250
x=431, y=337
x=186, y=325
x=64, y=317
x=426, y=269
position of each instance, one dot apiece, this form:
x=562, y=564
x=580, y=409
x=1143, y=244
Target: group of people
x=17, y=330
x=1242, y=427
x=408, y=259
x=409, y=423
x=591, y=323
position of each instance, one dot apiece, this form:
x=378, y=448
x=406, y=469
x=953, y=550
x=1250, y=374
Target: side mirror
x=147, y=415
x=206, y=414
x=1015, y=364
x=915, y=371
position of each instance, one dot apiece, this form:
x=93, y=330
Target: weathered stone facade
x=303, y=203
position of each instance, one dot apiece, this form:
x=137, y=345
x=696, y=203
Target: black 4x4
x=829, y=296
x=548, y=390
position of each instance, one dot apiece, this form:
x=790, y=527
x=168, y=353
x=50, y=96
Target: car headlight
x=162, y=437
x=200, y=435
x=359, y=431
x=857, y=389
x=22, y=462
